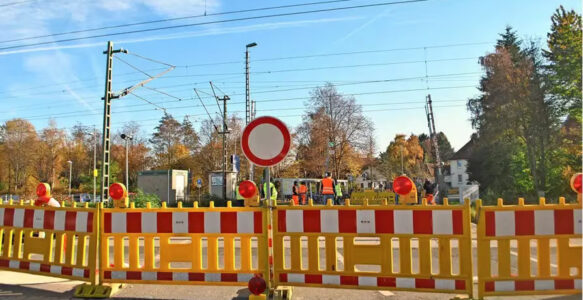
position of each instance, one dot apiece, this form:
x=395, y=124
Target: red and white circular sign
x=265, y=141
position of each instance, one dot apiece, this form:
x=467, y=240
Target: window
x=459, y=163
x=459, y=178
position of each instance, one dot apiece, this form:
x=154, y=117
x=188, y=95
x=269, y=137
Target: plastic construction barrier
x=49, y=241
x=543, y=241
x=400, y=247
x=211, y=245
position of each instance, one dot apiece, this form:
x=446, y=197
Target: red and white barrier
x=44, y=268
x=374, y=281
x=533, y=222
x=532, y=285
x=183, y=222
x=41, y=218
x=435, y=222
x=178, y=276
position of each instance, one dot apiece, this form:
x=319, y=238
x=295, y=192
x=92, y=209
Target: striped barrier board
x=343, y=232
x=198, y=238
x=49, y=241
x=521, y=230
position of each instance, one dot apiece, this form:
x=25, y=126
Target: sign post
x=266, y=142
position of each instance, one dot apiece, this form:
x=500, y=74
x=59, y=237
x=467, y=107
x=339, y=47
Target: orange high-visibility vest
x=303, y=189
x=327, y=186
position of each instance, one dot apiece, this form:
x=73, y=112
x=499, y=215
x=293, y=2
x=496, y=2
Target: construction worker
x=273, y=190
x=338, y=192
x=429, y=191
x=296, y=193
x=327, y=188
x=303, y=191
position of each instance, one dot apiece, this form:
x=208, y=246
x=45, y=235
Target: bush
x=141, y=198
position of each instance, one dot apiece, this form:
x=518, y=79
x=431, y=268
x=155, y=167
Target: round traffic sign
x=265, y=141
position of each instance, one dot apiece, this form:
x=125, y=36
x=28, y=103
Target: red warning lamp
x=257, y=285
x=117, y=191
x=43, y=189
x=247, y=189
x=576, y=183
x=402, y=185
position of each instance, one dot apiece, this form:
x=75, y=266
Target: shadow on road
x=28, y=292
x=242, y=294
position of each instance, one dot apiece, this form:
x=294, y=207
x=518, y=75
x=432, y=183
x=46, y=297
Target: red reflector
x=402, y=185
x=247, y=189
x=117, y=191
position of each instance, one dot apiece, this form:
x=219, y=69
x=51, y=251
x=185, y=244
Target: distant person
x=327, y=188
x=273, y=190
x=429, y=191
x=338, y=192
x=303, y=191
x=296, y=193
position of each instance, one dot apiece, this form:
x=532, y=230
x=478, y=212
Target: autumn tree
x=167, y=142
x=334, y=128
x=19, y=140
x=403, y=155
x=50, y=153
x=139, y=157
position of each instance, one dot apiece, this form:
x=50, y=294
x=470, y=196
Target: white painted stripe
x=118, y=275
x=212, y=277
x=149, y=275
x=504, y=223
x=294, y=221
x=244, y=277
x=405, y=283
x=444, y=284
x=179, y=276
x=504, y=285
x=331, y=279
x=81, y=221
x=1, y=216
x=403, y=220
x=297, y=278
x=367, y=281
x=78, y=272
x=329, y=221
x=365, y=221
x=38, y=219
x=577, y=221
x=578, y=284
x=56, y=270
x=179, y=223
x=544, y=222
x=14, y=264
x=34, y=267
x=544, y=285
x=149, y=223
x=118, y=222
x=212, y=223
x=59, y=220
x=18, y=218
x=245, y=222
x=442, y=222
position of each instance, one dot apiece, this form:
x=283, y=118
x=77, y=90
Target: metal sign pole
x=270, y=205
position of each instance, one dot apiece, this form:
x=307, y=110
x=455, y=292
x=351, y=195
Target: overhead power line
x=161, y=20
x=212, y=22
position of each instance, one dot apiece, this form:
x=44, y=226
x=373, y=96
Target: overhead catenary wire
x=212, y=22
x=150, y=102
x=207, y=112
x=160, y=20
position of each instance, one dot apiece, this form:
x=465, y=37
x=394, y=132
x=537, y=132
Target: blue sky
x=65, y=81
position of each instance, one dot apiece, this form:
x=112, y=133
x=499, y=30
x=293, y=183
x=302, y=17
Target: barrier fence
x=374, y=247
x=183, y=245
x=58, y=242
x=357, y=198
x=522, y=249
x=516, y=232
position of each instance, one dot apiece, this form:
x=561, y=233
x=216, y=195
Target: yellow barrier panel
x=49, y=241
x=529, y=249
x=401, y=247
x=217, y=246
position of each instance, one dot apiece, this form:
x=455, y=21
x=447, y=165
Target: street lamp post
x=70, y=172
x=127, y=138
x=248, y=110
